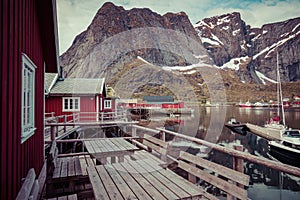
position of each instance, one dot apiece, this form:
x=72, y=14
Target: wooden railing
x=237, y=154
x=59, y=125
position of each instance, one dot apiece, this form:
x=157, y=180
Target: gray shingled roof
x=158, y=99
x=78, y=86
x=50, y=79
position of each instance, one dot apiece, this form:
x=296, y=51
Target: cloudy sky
x=74, y=16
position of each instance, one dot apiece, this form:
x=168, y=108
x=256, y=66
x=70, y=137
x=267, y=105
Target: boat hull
x=238, y=128
x=285, y=155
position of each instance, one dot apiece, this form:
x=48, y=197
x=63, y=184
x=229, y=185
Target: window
x=28, y=87
x=71, y=104
x=107, y=104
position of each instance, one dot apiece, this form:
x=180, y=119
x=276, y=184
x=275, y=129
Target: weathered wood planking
x=154, y=182
x=113, y=191
x=125, y=190
x=99, y=191
x=102, y=149
x=30, y=187
x=224, y=185
x=219, y=169
x=156, y=141
x=145, y=184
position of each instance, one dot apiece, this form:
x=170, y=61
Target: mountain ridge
x=224, y=41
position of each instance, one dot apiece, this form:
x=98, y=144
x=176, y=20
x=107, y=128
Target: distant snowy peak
x=227, y=39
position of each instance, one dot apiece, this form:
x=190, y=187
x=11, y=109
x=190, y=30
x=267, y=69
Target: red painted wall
x=87, y=107
x=20, y=32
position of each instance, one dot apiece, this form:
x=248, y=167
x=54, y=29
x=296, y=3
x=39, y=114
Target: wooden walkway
x=140, y=178
x=267, y=133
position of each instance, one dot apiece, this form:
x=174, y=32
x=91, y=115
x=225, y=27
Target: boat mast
x=279, y=93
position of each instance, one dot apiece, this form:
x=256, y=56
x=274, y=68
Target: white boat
x=287, y=149
x=274, y=125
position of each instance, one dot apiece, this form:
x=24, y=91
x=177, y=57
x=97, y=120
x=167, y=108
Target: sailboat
x=271, y=129
x=287, y=147
x=275, y=122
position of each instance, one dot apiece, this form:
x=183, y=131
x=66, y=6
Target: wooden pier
x=267, y=133
x=141, y=166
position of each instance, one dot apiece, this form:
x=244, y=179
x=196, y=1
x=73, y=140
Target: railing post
x=162, y=135
x=52, y=132
x=238, y=166
x=65, y=121
x=238, y=162
x=133, y=134
x=102, y=116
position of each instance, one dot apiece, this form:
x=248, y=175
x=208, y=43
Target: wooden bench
x=67, y=197
x=30, y=187
x=233, y=186
x=157, y=145
x=63, y=173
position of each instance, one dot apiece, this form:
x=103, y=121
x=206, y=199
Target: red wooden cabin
x=29, y=46
x=69, y=96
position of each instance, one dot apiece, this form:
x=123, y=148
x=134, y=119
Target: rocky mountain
x=117, y=36
x=253, y=51
x=244, y=55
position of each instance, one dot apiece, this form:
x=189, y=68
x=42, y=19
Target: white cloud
x=74, y=16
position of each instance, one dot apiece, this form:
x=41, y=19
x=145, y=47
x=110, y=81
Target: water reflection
x=261, y=178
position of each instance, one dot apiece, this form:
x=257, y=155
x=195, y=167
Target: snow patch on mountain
x=235, y=63
x=263, y=78
x=274, y=46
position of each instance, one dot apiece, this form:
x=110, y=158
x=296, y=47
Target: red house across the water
x=86, y=97
x=29, y=47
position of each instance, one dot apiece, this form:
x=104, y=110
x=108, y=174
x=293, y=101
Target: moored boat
x=287, y=149
x=236, y=126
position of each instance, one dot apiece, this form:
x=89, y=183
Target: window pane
x=71, y=104
x=76, y=104
x=66, y=104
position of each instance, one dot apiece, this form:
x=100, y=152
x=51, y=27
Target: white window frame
x=71, y=104
x=28, y=100
x=107, y=104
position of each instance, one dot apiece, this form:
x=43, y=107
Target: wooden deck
x=141, y=178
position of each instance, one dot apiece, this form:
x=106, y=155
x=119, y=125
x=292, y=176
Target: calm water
x=208, y=123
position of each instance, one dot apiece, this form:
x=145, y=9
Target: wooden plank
x=71, y=166
x=77, y=167
x=135, y=187
x=126, y=144
x=154, y=147
x=156, y=141
x=64, y=167
x=119, y=143
x=25, y=190
x=113, y=191
x=110, y=145
x=146, y=185
x=154, y=181
x=155, y=171
x=222, y=184
x=123, y=187
x=98, y=187
x=89, y=160
x=72, y=197
x=35, y=190
x=219, y=169
x=89, y=147
x=83, y=165
x=42, y=179
x=57, y=169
